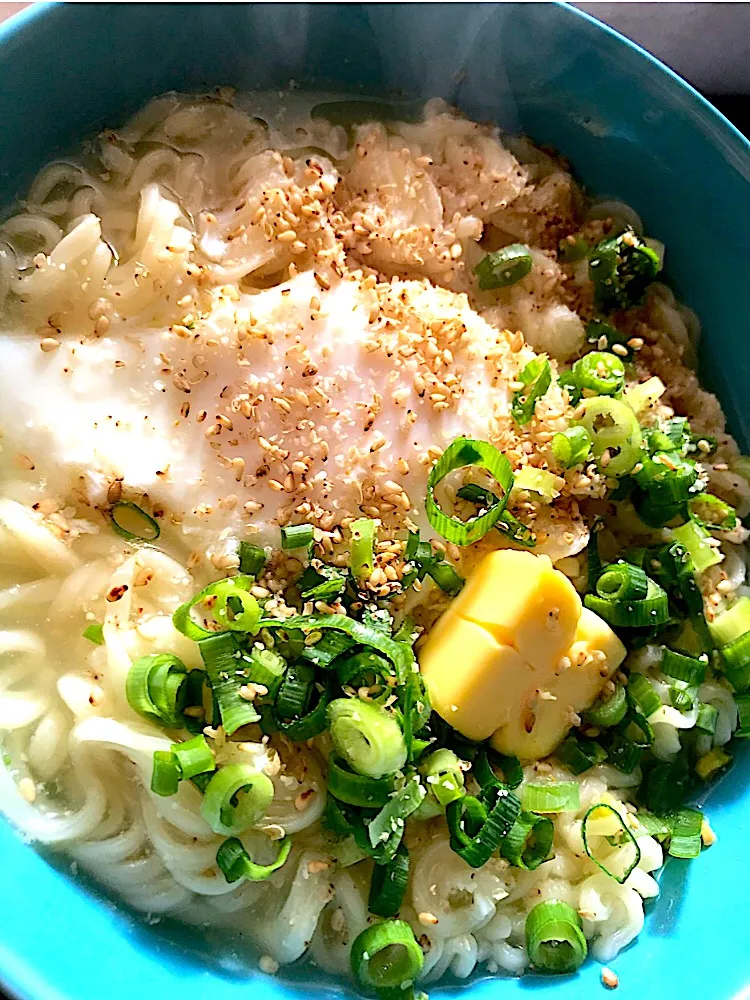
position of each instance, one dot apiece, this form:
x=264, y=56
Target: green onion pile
x=352, y=674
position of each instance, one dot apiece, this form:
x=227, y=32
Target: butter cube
x=523, y=601
x=516, y=658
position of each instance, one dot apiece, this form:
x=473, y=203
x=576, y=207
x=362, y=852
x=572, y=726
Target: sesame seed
x=620, y=349
x=268, y=965
x=49, y=344
x=609, y=979
x=427, y=919
x=27, y=788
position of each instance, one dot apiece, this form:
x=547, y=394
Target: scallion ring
x=356, y=789
x=132, y=523
x=156, y=688
x=614, y=432
x=503, y=267
x=528, y=842
x=236, y=798
x=386, y=956
x=235, y=863
x=466, y=452
x=604, y=820
x=554, y=937
x=367, y=736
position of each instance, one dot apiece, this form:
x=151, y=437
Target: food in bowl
x=373, y=568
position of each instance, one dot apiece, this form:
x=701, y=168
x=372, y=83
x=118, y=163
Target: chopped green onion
x=443, y=777
x=644, y=395
x=325, y=583
x=572, y=248
x=200, y=705
x=536, y=377
x=682, y=696
x=572, y=446
x=731, y=624
x=165, y=777
x=666, y=786
x=475, y=830
x=388, y=884
x=252, y=558
x=642, y=695
x=463, y=452
x=414, y=707
x=712, y=513
x=236, y=798
x=386, y=956
x=486, y=763
x=536, y=481
x=327, y=650
x=667, y=481
x=387, y=828
x=295, y=692
x=614, y=430
x=712, y=763
x=579, y=755
x=561, y=796
x=266, y=667
x=194, y=756
x=742, y=702
x=686, y=834
x=600, y=372
x=678, y=569
x=655, y=826
x=503, y=267
x=683, y=668
x=445, y=576
x=94, y=633
x=708, y=716
x=313, y=720
x=736, y=657
x=132, y=523
x=235, y=863
x=367, y=736
x=529, y=841
x=695, y=540
x=623, y=837
x=356, y=789
x=598, y=329
x=363, y=540
x=509, y=525
x=651, y=610
x=623, y=753
x=554, y=937
x=622, y=581
x=221, y=656
x=155, y=688
x=231, y=607
x=296, y=536
x=621, y=269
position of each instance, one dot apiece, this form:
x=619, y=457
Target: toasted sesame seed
x=27, y=788
x=620, y=349
x=49, y=344
x=609, y=979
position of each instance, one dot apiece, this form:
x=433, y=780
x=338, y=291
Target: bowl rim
x=17, y=977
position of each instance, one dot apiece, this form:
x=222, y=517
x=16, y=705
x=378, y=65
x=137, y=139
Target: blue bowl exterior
x=633, y=130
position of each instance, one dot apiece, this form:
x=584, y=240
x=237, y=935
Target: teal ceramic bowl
x=633, y=130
